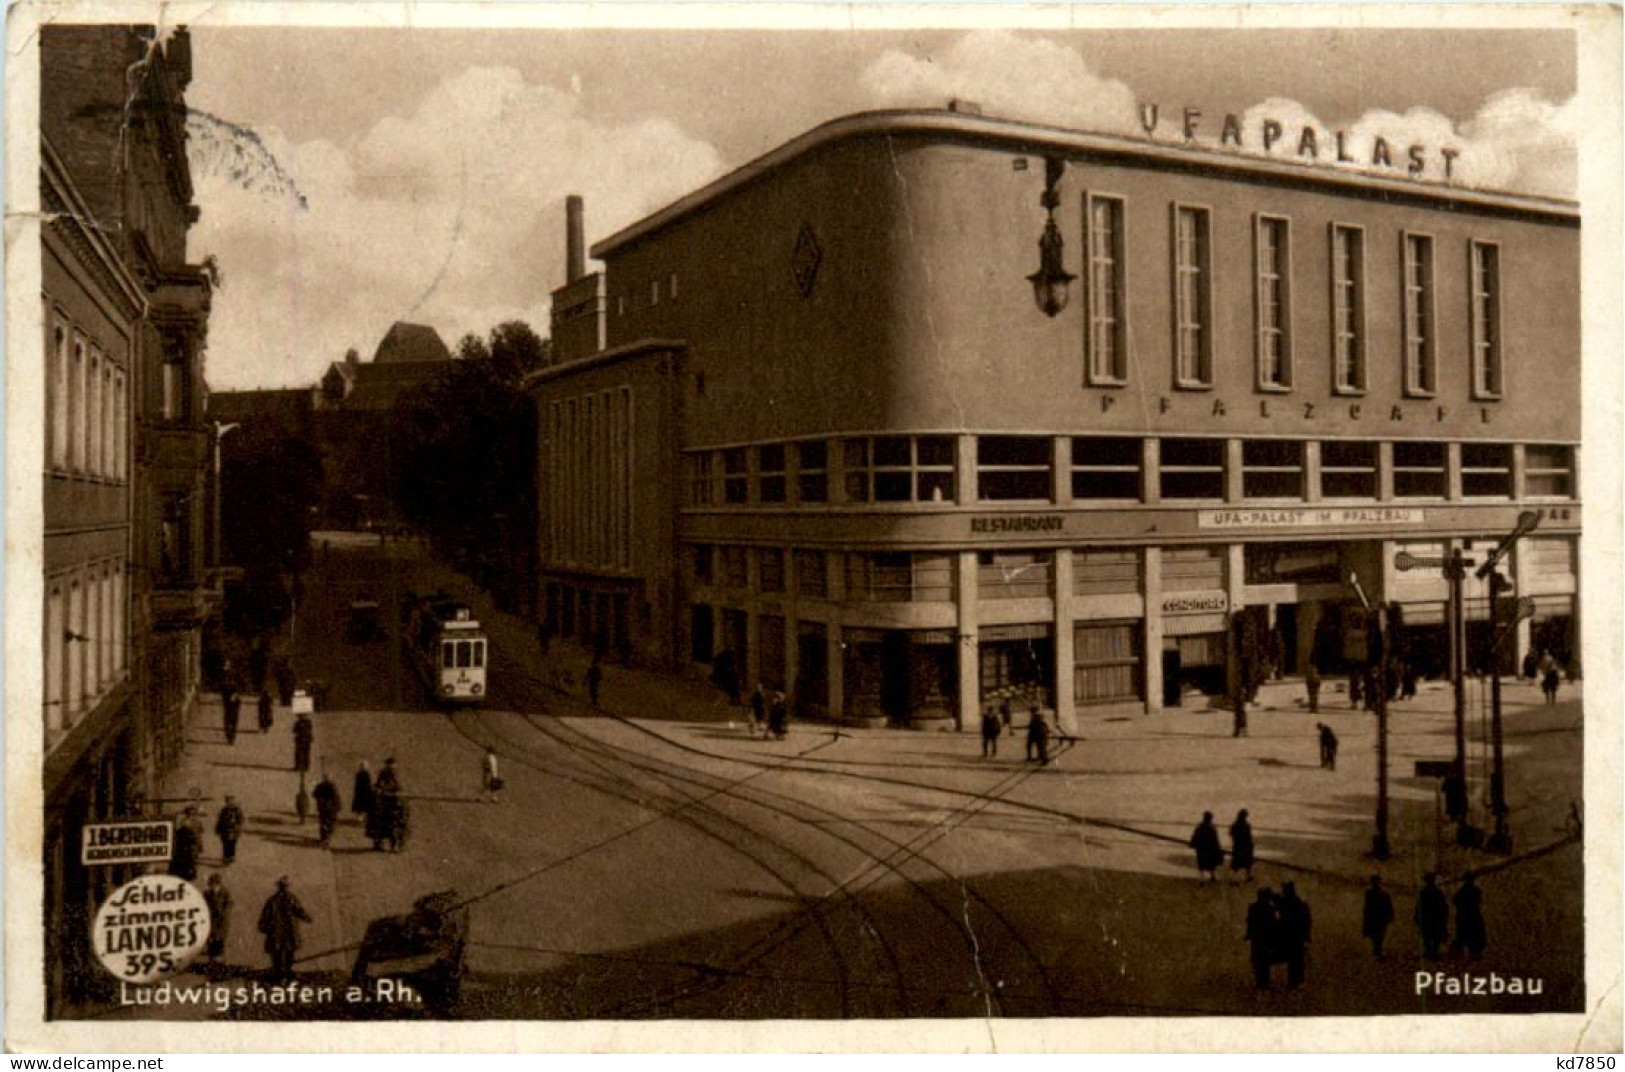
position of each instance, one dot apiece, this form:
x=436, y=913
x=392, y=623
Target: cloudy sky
x=350, y=178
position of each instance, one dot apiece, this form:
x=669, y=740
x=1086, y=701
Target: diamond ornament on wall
x=805, y=260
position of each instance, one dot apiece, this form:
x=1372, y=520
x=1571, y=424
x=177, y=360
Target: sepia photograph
x=952, y=516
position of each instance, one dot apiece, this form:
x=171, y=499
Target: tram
x=447, y=647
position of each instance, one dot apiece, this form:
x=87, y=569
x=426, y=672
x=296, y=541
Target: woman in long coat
x=218, y=898
x=1241, y=845
x=1209, y=853
x=361, y=793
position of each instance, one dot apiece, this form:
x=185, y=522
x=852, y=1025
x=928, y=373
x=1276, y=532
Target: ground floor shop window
x=904, y=676
x=1017, y=665
x=1106, y=662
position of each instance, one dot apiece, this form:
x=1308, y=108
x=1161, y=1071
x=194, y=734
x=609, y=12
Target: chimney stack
x=575, y=243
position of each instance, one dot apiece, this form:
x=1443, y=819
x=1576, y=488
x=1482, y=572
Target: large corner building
x=810, y=421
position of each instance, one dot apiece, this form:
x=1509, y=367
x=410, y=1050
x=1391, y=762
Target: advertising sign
x=153, y=926
x=144, y=841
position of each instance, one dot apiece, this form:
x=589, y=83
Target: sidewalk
x=258, y=771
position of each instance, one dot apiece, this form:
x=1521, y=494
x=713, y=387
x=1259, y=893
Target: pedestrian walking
x=279, y=922
x=1293, y=933
x=361, y=791
x=1531, y=665
x=1432, y=916
x=1241, y=846
x=778, y=716
x=304, y=732
x=188, y=845
x=400, y=823
x=490, y=779
x=1551, y=676
x=231, y=709
x=595, y=680
x=1328, y=746
x=1037, y=736
x=990, y=733
x=388, y=780
x=758, y=711
x=1311, y=683
x=218, y=898
x=1209, y=853
x=285, y=679
x=1238, y=714
x=1470, y=934
x=1355, y=681
x=228, y=826
x=267, y=718
x=328, y=806
x=1261, y=937
x=1376, y=916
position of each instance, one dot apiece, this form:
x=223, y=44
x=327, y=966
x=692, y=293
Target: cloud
x=451, y=216
x=1519, y=141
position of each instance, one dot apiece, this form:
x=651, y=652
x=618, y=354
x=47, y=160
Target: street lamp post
x=1376, y=656
x=1501, y=840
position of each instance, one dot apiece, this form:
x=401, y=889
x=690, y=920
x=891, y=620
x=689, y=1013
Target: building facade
x=126, y=453
x=905, y=492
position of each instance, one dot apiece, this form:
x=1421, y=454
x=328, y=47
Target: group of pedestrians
x=769, y=714
x=1210, y=851
x=997, y=721
x=279, y=923
x=1278, y=927
x=382, y=804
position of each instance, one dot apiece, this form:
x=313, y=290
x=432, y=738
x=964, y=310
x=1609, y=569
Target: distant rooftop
x=405, y=342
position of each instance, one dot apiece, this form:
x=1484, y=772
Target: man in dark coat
x=328, y=806
x=304, y=732
x=778, y=716
x=279, y=922
x=267, y=718
x=1328, y=746
x=1037, y=736
x=229, y=826
x=1432, y=916
x=1294, y=933
x=361, y=791
x=1377, y=915
x=1241, y=845
x=1470, y=919
x=188, y=845
x=990, y=733
x=218, y=898
x=1209, y=853
x=1261, y=937
x=758, y=710
x=231, y=709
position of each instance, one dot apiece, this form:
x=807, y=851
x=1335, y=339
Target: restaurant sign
x=1310, y=517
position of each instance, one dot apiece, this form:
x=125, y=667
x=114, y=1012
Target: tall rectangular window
x=698, y=477
x=105, y=417
x=56, y=627
x=1104, y=291
x=58, y=404
x=1014, y=468
x=770, y=473
x=1193, y=298
x=770, y=569
x=121, y=426
x=1486, y=273
x=1348, y=309
x=812, y=574
x=812, y=471
x=1421, y=373
x=76, y=408
x=1272, y=297
x=735, y=477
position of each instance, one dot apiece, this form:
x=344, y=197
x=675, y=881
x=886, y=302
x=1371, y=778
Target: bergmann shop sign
x=147, y=841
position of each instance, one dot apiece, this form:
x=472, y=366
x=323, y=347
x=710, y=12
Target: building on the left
x=127, y=458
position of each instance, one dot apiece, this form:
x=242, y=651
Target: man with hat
x=279, y=922
x=229, y=826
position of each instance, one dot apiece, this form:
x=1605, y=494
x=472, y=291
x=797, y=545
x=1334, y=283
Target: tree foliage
x=271, y=485
x=464, y=449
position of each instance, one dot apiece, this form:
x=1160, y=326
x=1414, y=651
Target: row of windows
x=921, y=469
x=627, y=299
x=86, y=636
x=87, y=406
x=930, y=576
x=1105, y=303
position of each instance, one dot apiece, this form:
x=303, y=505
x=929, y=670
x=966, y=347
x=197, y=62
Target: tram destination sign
x=144, y=841
x=1308, y=517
